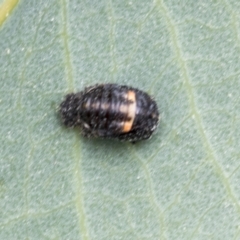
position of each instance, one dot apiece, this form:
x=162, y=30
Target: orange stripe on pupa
x=131, y=111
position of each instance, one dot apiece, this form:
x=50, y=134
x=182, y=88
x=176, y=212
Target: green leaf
x=181, y=184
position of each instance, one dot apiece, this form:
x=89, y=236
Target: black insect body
x=111, y=111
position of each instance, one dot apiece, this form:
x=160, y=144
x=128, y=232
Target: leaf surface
x=181, y=184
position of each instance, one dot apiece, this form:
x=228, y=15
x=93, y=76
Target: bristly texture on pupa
x=111, y=111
